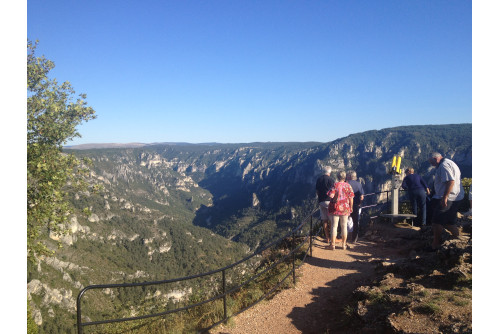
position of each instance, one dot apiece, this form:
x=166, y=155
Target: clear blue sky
x=244, y=71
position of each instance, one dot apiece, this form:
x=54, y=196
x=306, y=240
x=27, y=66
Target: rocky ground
x=422, y=292
x=388, y=283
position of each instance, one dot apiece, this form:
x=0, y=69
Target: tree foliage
x=52, y=118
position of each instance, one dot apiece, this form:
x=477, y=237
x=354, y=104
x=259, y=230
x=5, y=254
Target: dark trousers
x=355, y=223
x=446, y=215
x=418, y=203
x=432, y=204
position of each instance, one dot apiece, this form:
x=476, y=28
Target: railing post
x=387, y=197
x=224, y=292
x=311, y=237
x=79, y=313
x=79, y=319
x=293, y=257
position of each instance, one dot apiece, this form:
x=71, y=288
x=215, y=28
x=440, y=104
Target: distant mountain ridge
x=92, y=146
x=105, y=145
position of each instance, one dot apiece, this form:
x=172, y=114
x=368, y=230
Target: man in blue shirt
x=358, y=198
x=417, y=191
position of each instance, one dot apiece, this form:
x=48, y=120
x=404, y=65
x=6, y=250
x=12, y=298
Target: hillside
x=166, y=211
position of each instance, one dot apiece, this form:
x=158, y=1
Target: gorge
x=175, y=209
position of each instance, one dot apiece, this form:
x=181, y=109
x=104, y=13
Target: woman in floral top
x=340, y=208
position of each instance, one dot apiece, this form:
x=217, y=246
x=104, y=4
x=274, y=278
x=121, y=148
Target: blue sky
x=244, y=71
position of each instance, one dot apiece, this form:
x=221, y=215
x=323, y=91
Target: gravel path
x=315, y=304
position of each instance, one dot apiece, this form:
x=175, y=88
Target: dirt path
x=316, y=303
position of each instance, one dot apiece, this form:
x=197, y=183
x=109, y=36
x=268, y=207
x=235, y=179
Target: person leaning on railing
x=417, y=191
x=469, y=213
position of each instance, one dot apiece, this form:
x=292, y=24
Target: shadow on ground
x=326, y=314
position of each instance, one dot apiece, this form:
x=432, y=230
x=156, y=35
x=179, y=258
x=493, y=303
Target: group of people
x=342, y=199
x=337, y=201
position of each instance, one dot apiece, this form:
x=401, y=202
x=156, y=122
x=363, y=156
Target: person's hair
x=352, y=175
x=327, y=170
x=410, y=170
x=341, y=175
x=435, y=155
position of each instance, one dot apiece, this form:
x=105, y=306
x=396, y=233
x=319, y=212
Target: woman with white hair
x=340, y=208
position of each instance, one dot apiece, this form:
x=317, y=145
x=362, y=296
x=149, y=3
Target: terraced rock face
x=214, y=185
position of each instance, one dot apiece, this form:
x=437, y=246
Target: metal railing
x=377, y=203
x=295, y=234
x=373, y=205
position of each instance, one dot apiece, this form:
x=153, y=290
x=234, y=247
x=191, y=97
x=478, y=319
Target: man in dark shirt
x=323, y=184
x=417, y=191
x=358, y=198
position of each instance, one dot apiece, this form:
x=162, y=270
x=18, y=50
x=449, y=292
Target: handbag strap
x=336, y=196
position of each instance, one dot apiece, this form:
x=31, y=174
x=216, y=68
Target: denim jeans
x=418, y=205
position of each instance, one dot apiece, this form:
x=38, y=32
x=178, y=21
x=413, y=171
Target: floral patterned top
x=341, y=207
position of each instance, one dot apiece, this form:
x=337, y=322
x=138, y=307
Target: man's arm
x=403, y=185
x=447, y=191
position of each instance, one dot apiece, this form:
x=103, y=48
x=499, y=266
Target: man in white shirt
x=449, y=191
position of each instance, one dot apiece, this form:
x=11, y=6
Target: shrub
x=32, y=327
x=428, y=308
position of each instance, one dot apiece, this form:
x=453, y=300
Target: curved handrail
x=81, y=324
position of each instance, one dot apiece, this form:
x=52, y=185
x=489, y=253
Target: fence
x=296, y=235
x=373, y=205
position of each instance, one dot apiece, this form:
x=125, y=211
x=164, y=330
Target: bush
x=429, y=308
x=32, y=327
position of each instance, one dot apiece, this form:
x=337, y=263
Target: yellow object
x=398, y=165
x=393, y=161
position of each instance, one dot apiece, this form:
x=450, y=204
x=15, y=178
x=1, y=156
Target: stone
x=37, y=316
x=93, y=218
x=35, y=287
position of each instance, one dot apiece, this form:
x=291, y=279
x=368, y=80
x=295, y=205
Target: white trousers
x=334, y=223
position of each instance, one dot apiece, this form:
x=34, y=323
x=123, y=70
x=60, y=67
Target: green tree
x=53, y=116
